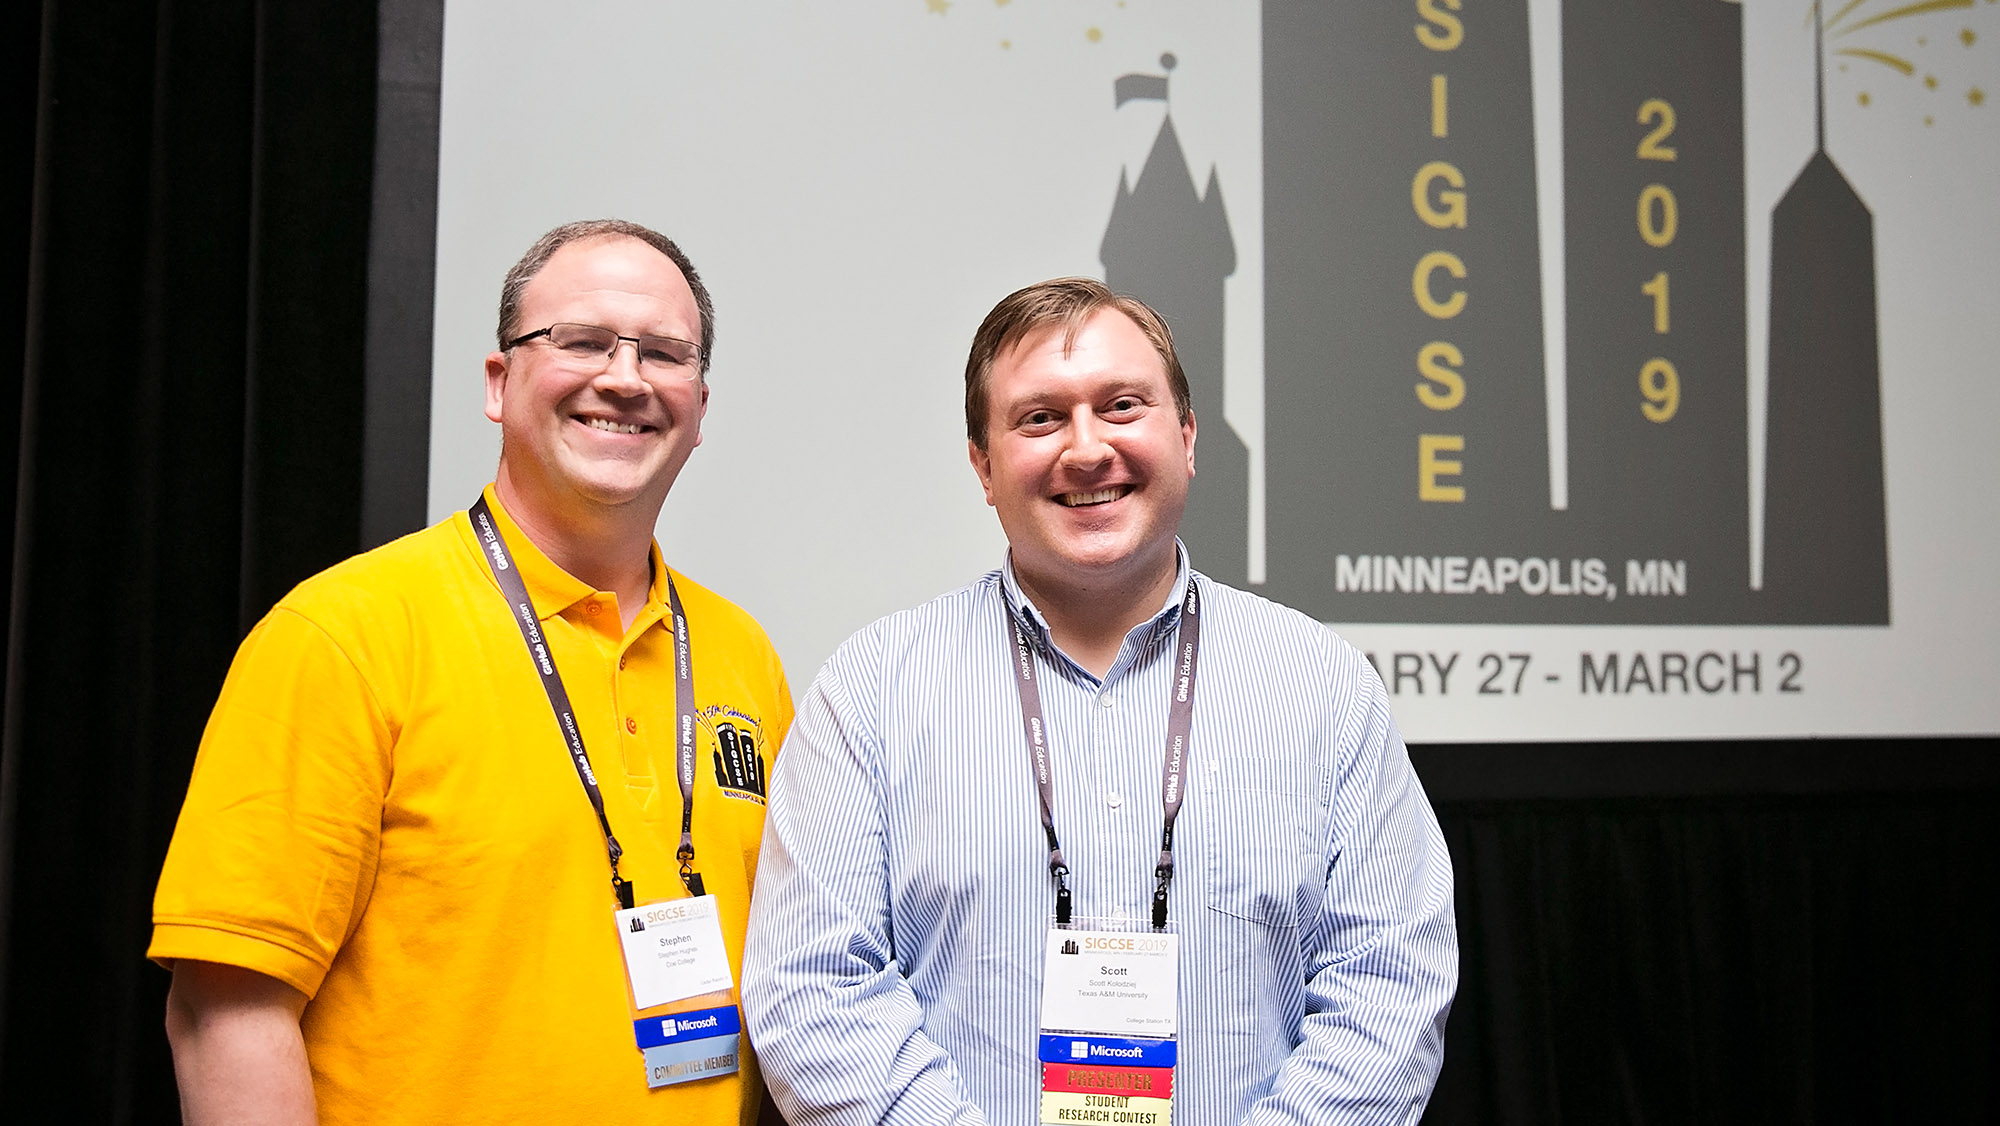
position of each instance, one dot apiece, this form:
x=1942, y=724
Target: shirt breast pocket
x=1266, y=855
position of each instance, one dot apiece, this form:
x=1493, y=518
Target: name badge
x=684, y=1016
x=1110, y=1022
x=673, y=950
x=1112, y=983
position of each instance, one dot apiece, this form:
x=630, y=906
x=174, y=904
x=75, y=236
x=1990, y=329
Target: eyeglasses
x=589, y=348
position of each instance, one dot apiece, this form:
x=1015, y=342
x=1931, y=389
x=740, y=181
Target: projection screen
x=1603, y=371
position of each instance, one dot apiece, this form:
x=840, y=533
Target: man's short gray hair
x=545, y=247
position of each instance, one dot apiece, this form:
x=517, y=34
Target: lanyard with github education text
x=1180, y=722
x=508, y=576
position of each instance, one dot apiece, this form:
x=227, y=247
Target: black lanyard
x=1180, y=722
x=509, y=578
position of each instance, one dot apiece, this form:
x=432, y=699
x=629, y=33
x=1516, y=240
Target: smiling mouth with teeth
x=1080, y=500
x=613, y=427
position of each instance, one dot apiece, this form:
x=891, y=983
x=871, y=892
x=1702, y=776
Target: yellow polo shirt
x=384, y=816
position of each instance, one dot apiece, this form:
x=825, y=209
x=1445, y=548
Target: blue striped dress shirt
x=894, y=963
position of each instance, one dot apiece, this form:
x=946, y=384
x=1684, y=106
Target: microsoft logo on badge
x=668, y=1027
x=1079, y=1049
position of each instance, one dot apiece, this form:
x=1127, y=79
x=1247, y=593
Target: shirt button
x=1113, y=800
x=621, y=661
x=590, y=608
x=631, y=725
x=1104, y=700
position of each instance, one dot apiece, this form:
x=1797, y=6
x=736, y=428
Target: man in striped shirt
x=966, y=775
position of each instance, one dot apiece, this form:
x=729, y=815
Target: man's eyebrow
x=1024, y=403
x=1136, y=385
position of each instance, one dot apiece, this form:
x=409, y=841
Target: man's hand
x=237, y=1050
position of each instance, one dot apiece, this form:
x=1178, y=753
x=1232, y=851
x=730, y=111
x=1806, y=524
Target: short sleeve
x=274, y=854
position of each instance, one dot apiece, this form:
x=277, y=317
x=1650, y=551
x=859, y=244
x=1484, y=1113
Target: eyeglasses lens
x=589, y=346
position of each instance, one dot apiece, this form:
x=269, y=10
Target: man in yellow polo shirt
x=473, y=825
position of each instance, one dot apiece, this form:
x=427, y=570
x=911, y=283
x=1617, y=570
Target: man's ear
x=1187, y=435
x=703, y=411
x=982, y=464
x=496, y=383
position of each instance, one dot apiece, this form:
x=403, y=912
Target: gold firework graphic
x=1930, y=56
x=1091, y=18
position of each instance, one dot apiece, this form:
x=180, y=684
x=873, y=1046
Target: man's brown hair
x=1070, y=303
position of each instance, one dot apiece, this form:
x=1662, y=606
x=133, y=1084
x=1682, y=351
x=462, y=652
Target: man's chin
x=1097, y=566
x=616, y=492
x=614, y=481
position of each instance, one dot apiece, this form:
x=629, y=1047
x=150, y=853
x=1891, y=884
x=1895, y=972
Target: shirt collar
x=551, y=588
x=1159, y=625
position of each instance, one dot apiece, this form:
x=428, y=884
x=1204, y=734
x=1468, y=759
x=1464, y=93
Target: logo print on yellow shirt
x=740, y=759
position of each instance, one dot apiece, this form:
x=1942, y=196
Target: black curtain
x=1782, y=933
x=190, y=192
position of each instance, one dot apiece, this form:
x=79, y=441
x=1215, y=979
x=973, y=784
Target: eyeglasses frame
x=693, y=363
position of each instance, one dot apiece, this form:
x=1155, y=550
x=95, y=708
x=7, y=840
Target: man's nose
x=1089, y=445
x=621, y=375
